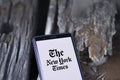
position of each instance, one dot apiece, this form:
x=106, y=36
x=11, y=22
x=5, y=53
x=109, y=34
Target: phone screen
x=57, y=59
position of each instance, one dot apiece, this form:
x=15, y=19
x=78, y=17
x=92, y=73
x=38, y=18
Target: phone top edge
x=51, y=36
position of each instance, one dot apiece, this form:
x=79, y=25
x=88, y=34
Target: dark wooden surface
x=17, y=27
x=20, y=20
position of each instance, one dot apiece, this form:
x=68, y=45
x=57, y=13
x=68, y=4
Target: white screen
x=58, y=60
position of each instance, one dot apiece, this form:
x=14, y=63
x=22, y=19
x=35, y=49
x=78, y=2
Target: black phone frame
x=54, y=36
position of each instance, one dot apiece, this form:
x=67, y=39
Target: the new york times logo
x=60, y=63
x=55, y=53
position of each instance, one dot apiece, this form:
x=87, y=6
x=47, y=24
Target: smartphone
x=56, y=57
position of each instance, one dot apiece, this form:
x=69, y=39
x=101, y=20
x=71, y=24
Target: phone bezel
x=53, y=36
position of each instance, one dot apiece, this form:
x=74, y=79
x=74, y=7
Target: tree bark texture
x=91, y=22
x=17, y=27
